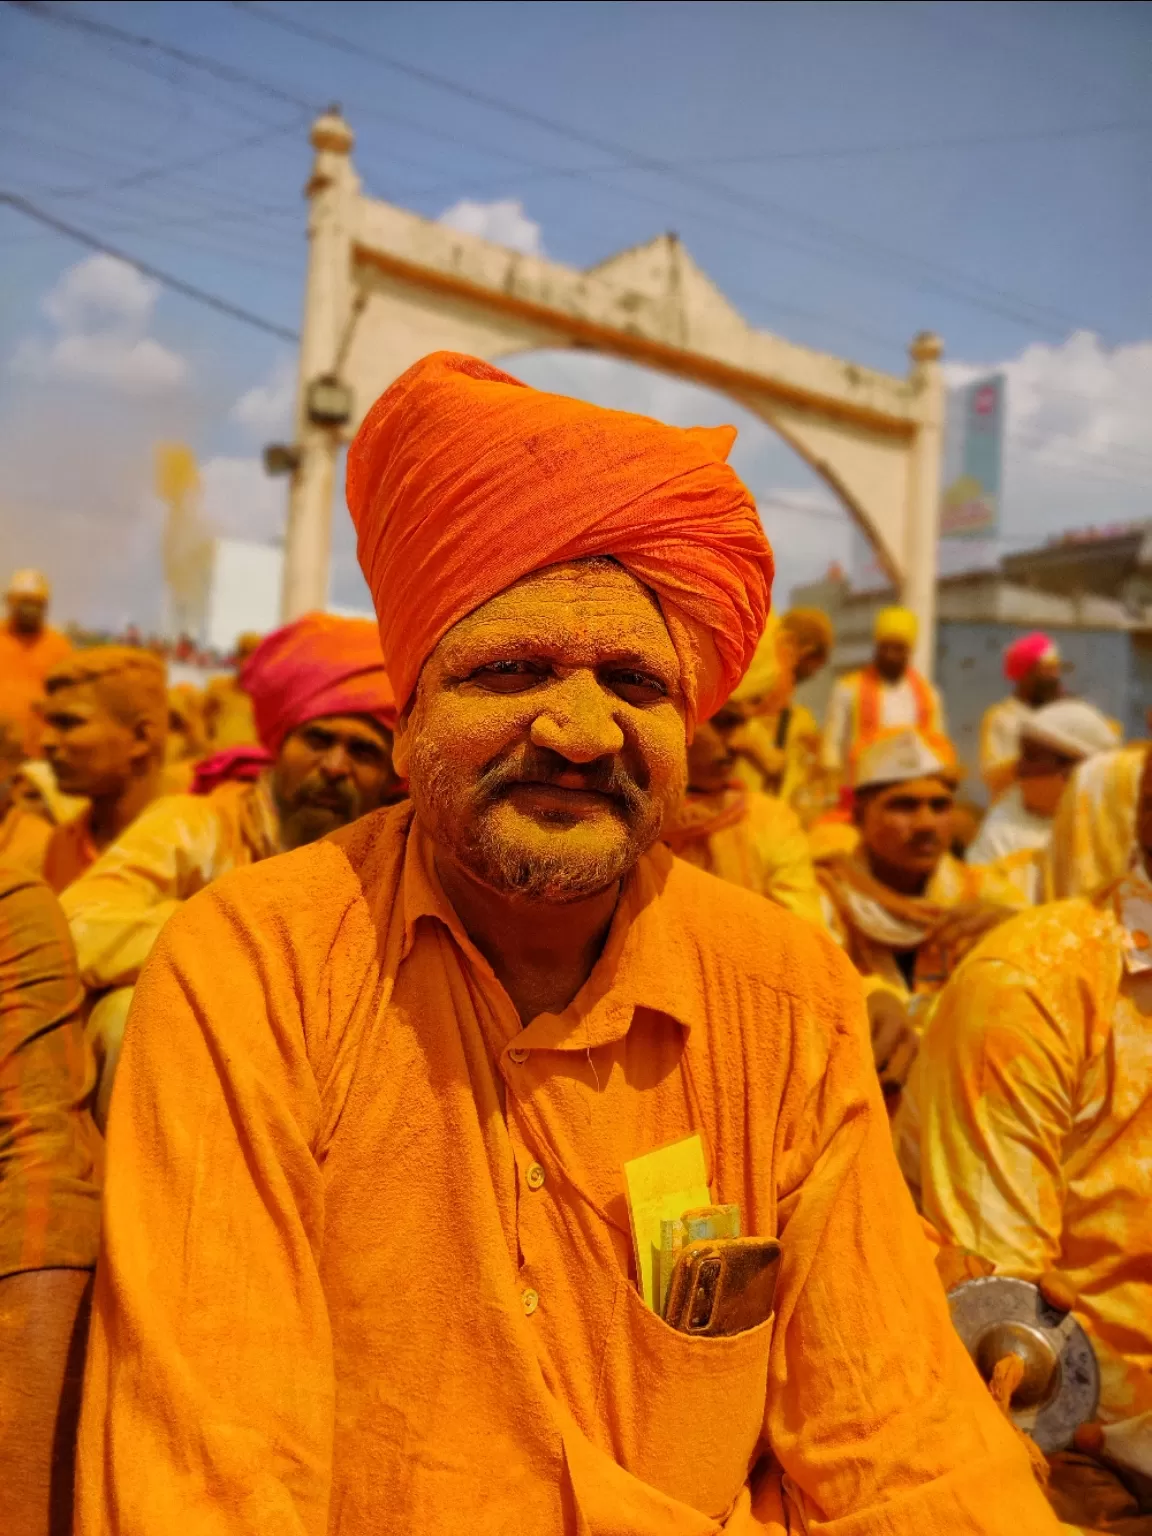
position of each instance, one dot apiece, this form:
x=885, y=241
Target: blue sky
x=847, y=174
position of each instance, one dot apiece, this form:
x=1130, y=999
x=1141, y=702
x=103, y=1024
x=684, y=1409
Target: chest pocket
x=683, y=1414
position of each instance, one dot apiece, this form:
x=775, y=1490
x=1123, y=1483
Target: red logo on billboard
x=984, y=400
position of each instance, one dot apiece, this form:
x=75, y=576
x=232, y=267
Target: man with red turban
x=324, y=714
x=1032, y=665
x=369, y=1255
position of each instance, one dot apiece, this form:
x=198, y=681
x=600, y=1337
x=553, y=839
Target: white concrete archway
x=386, y=286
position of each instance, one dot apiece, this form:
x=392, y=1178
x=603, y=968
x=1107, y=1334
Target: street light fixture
x=280, y=459
x=329, y=402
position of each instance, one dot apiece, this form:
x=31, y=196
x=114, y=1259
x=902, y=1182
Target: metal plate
x=998, y=1312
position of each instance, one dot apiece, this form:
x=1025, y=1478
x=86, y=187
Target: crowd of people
x=341, y=1000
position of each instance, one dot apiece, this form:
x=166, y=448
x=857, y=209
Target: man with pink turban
x=324, y=713
x=399, y=1115
x=1032, y=665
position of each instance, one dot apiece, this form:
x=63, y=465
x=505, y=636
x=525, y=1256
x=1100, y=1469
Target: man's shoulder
x=311, y=888
x=740, y=931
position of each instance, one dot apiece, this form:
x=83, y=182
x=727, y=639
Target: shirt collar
x=646, y=961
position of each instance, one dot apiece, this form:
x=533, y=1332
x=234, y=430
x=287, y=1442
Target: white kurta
x=1008, y=828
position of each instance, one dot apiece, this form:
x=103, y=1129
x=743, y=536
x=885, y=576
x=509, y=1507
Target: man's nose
x=336, y=762
x=577, y=720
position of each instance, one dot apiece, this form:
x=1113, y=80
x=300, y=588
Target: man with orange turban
x=368, y=1254
x=886, y=694
x=28, y=649
x=105, y=730
x=324, y=714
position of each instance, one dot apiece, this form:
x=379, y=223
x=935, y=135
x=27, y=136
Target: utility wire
x=177, y=284
x=1012, y=306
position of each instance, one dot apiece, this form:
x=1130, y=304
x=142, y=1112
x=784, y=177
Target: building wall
x=244, y=593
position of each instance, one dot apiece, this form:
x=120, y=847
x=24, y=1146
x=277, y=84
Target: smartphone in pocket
x=722, y=1285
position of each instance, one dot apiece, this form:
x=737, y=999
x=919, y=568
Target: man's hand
x=894, y=1040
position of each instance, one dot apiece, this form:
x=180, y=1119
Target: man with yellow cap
x=28, y=649
x=902, y=907
x=398, y=1113
x=105, y=726
x=887, y=693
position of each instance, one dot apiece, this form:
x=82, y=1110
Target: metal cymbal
x=997, y=1316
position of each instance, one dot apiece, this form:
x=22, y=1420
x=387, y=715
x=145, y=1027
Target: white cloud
x=266, y=409
x=504, y=223
x=100, y=292
x=1077, y=451
x=100, y=310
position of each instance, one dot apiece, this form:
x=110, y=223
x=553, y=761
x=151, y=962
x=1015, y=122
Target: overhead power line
x=168, y=279
x=1012, y=306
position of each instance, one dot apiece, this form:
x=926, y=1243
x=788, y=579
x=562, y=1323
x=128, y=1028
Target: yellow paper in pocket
x=661, y=1186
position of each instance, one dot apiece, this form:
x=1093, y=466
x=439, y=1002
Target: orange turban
x=461, y=480
x=318, y=665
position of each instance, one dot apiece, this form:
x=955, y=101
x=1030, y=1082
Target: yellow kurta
x=1094, y=829
x=366, y=1259
x=1033, y=1093
x=798, y=757
x=176, y=847
x=766, y=851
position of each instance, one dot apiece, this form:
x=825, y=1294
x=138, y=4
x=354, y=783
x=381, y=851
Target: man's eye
x=636, y=687
x=507, y=676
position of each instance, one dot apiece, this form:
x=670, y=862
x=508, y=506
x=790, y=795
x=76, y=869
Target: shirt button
x=535, y=1176
x=531, y=1301
x=517, y=1055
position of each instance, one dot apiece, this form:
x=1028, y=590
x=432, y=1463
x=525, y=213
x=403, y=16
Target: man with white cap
x=1033, y=666
x=29, y=648
x=902, y=907
x=1052, y=741
x=889, y=692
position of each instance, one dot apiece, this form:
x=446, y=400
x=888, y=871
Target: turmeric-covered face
x=546, y=742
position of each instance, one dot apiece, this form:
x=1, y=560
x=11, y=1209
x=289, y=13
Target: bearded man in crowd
x=1033, y=666
x=324, y=711
x=105, y=730
x=751, y=839
x=367, y=1253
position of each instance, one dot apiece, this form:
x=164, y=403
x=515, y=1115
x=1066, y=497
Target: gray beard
x=309, y=823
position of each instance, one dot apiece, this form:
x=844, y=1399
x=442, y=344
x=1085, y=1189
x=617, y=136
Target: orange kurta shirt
x=367, y=1266
x=25, y=662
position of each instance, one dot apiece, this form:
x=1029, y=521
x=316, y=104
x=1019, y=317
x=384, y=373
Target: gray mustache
x=539, y=765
